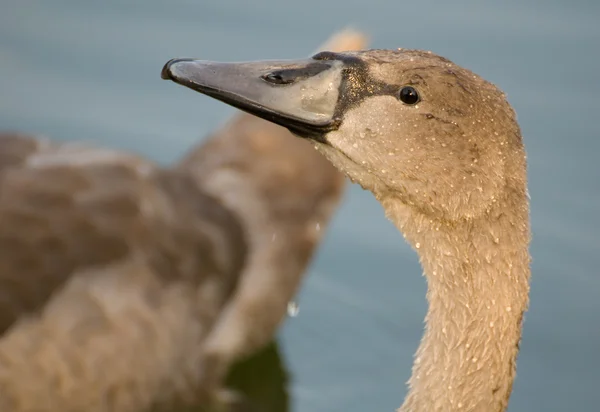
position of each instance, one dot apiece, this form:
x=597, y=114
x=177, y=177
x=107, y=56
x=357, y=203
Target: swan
x=128, y=287
x=441, y=150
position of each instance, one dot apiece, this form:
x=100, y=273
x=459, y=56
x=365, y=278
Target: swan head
x=407, y=125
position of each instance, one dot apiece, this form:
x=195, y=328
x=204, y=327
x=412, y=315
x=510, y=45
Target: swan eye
x=409, y=95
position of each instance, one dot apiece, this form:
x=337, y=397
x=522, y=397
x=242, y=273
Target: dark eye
x=409, y=95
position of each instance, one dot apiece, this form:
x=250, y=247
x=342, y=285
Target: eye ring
x=409, y=95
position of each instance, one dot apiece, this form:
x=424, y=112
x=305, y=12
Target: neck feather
x=478, y=285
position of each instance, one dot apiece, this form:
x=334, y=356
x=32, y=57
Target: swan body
x=129, y=287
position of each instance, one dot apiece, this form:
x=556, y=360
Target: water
x=90, y=70
x=293, y=309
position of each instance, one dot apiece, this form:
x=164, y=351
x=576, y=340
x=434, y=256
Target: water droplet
x=417, y=245
x=293, y=309
x=491, y=324
x=508, y=308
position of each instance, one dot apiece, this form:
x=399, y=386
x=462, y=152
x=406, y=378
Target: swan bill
x=301, y=95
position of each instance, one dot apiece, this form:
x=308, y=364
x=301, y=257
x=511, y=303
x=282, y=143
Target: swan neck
x=478, y=285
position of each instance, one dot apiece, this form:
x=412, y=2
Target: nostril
x=295, y=74
x=278, y=78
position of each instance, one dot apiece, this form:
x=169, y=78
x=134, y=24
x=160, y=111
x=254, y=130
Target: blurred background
x=89, y=70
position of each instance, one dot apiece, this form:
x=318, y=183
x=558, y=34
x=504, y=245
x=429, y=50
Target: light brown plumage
x=441, y=149
x=114, y=271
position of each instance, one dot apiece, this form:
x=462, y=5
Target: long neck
x=478, y=285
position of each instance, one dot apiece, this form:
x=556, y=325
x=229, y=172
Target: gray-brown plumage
x=441, y=149
x=112, y=272
x=126, y=287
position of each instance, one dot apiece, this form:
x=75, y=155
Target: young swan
x=440, y=148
